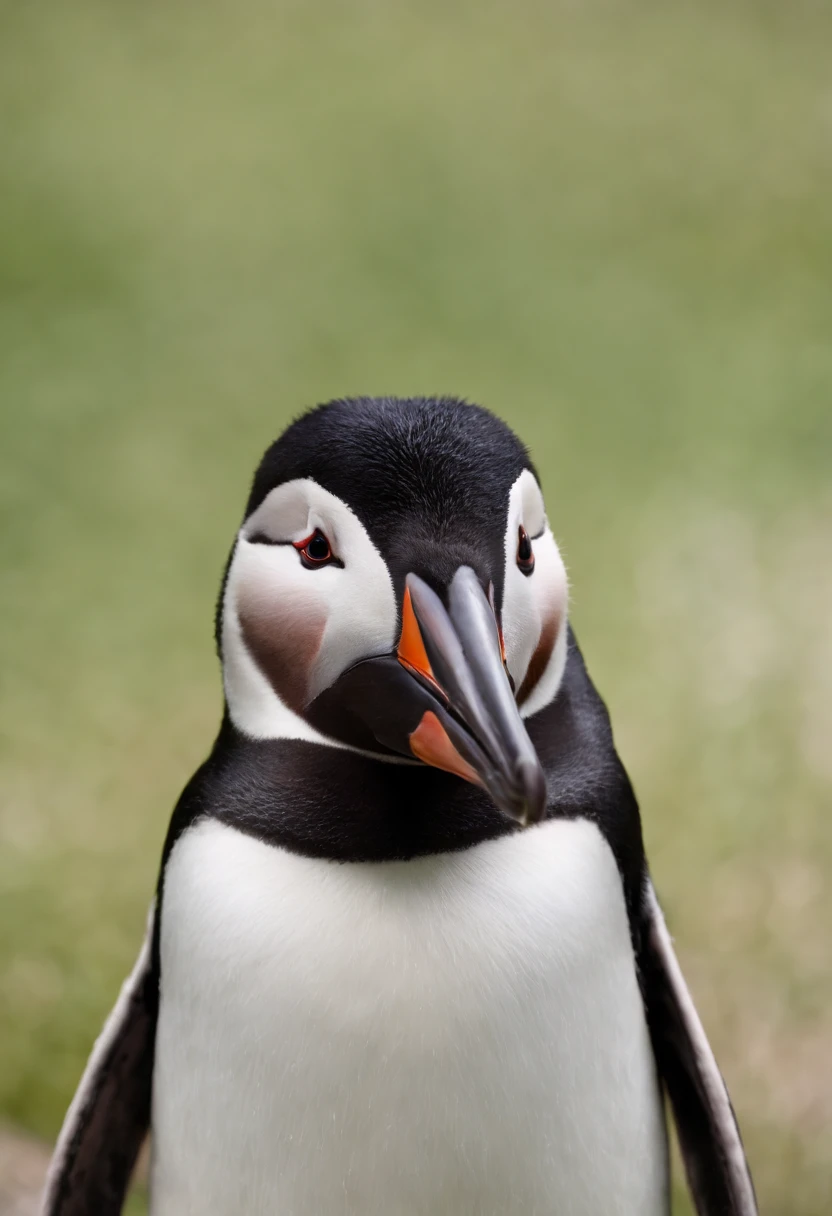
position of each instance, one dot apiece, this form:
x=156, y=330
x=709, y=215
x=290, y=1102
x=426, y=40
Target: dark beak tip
x=531, y=781
x=463, y=649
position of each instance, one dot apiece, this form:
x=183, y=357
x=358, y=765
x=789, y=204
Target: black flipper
x=713, y=1153
x=110, y=1114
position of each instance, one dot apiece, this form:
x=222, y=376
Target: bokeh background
x=611, y=223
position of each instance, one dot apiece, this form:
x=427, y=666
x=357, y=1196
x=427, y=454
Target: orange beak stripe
x=411, y=650
x=430, y=742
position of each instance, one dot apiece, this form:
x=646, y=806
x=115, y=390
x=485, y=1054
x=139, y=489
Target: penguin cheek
x=540, y=658
x=534, y=614
x=551, y=597
x=284, y=638
x=361, y=620
x=520, y=623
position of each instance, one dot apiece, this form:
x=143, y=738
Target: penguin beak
x=473, y=727
x=443, y=696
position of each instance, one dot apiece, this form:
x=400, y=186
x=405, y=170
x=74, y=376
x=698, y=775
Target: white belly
x=457, y=1035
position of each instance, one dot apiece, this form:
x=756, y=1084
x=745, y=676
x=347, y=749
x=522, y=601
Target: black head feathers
x=438, y=460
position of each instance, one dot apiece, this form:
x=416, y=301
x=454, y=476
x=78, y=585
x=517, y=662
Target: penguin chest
x=456, y=1035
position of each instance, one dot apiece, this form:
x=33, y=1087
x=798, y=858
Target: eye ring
x=315, y=551
x=525, y=553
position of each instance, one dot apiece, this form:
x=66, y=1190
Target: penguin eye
x=316, y=551
x=525, y=553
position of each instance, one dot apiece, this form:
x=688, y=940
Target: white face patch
x=534, y=605
x=289, y=632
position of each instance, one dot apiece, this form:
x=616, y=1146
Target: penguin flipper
x=109, y=1116
x=709, y=1138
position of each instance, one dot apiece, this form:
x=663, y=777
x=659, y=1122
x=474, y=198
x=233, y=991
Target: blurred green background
x=610, y=222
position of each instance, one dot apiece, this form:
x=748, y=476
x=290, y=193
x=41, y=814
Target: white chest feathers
x=458, y=1035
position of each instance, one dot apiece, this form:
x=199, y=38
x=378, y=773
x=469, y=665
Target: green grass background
x=610, y=222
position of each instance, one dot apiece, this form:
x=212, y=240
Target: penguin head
x=395, y=588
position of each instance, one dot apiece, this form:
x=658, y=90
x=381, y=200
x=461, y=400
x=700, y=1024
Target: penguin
x=405, y=957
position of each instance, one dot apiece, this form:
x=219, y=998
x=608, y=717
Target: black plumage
x=429, y=479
